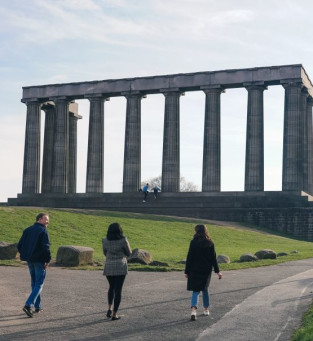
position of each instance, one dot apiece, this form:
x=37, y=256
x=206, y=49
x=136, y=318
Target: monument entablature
x=274, y=75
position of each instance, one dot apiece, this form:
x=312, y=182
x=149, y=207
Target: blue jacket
x=34, y=245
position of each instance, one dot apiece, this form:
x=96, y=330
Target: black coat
x=34, y=245
x=200, y=260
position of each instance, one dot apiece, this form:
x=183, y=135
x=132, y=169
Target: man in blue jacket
x=34, y=248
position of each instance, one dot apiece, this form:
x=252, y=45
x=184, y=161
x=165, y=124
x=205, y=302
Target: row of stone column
x=60, y=143
x=60, y=148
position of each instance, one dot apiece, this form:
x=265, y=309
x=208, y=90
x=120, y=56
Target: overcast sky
x=62, y=41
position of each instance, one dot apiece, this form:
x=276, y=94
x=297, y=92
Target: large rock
x=266, y=254
x=223, y=259
x=140, y=256
x=248, y=257
x=8, y=250
x=69, y=255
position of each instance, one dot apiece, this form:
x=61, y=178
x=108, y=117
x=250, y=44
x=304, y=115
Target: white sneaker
x=206, y=312
x=193, y=315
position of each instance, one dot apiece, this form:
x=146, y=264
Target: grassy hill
x=167, y=238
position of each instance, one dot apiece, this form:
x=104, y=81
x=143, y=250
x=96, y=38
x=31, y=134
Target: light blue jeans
x=37, y=274
x=205, y=298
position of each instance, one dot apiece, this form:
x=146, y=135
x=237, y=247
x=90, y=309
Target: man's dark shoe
x=38, y=310
x=28, y=311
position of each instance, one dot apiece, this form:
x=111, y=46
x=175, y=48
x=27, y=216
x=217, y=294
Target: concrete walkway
x=247, y=305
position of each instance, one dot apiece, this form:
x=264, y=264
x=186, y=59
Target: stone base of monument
x=288, y=212
x=69, y=255
x=8, y=250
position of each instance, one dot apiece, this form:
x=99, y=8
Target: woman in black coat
x=200, y=260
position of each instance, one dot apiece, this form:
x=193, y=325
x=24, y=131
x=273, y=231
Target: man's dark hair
x=40, y=215
x=115, y=232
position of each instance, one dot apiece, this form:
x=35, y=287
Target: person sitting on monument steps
x=156, y=190
x=200, y=260
x=116, y=249
x=145, y=190
x=34, y=248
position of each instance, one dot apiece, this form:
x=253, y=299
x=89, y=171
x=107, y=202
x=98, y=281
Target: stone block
x=69, y=255
x=140, y=256
x=248, y=257
x=8, y=250
x=223, y=259
x=266, y=254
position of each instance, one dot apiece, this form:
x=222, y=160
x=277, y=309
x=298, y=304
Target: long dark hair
x=202, y=234
x=115, y=232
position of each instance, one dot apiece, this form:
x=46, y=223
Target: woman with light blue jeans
x=200, y=260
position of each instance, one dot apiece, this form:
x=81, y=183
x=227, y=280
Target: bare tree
x=185, y=186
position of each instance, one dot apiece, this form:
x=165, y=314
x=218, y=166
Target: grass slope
x=305, y=332
x=167, y=238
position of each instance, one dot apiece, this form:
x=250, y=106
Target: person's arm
x=20, y=243
x=45, y=244
x=126, y=248
x=215, y=264
x=104, y=248
x=189, y=259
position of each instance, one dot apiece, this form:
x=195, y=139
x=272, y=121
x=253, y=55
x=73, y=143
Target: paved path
x=247, y=305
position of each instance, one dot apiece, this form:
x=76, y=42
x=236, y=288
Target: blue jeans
x=37, y=274
x=205, y=298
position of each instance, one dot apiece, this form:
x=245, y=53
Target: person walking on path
x=145, y=192
x=200, y=260
x=156, y=190
x=116, y=249
x=34, y=248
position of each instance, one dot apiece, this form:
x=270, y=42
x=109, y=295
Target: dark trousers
x=145, y=195
x=115, y=290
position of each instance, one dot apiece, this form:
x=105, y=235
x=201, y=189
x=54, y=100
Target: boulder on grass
x=8, y=250
x=69, y=255
x=281, y=254
x=140, y=256
x=248, y=257
x=266, y=254
x=223, y=259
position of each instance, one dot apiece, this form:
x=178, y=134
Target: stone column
x=59, y=182
x=310, y=143
x=31, y=169
x=304, y=140
x=132, y=149
x=211, y=168
x=49, y=110
x=94, y=179
x=171, y=142
x=254, y=168
x=72, y=176
x=292, y=146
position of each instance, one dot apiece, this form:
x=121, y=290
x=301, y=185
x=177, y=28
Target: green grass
x=166, y=238
x=305, y=332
